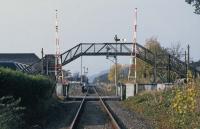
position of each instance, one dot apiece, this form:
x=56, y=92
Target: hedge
x=11, y=114
x=34, y=91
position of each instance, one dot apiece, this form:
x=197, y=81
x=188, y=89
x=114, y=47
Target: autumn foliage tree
x=145, y=71
x=111, y=74
x=153, y=45
x=196, y=4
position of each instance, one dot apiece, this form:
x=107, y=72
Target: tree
x=176, y=50
x=153, y=45
x=162, y=59
x=144, y=70
x=111, y=74
x=196, y=4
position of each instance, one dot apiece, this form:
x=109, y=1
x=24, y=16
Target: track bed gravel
x=129, y=119
x=60, y=115
x=94, y=117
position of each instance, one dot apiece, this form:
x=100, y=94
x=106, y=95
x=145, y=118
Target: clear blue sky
x=28, y=25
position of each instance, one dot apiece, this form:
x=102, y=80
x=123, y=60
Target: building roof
x=15, y=66
x=8, y=65
x=24, y=58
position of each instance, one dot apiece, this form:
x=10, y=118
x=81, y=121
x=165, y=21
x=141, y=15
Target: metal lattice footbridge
x=105, y=49
x=170, y=63
x=166, y=62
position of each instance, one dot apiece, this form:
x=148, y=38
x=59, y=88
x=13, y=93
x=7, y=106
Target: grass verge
x=177, y=108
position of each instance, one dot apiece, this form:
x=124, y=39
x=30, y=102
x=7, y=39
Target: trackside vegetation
x=177, y=108
x=24, y=99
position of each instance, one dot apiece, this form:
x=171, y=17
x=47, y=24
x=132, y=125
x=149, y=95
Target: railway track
x=94, y=114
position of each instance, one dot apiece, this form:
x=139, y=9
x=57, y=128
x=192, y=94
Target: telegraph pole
x=81, y=69
x=186, y=66
x=115, y=58
x=188, y=61
x=188, y=47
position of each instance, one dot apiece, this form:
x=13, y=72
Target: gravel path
x=129, y=119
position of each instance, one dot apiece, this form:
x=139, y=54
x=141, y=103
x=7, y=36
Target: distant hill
x=92, y=77
x=101, y=78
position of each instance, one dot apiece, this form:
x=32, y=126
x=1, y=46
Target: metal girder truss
x=168, y=65
x=165, y=65
x=106, y=49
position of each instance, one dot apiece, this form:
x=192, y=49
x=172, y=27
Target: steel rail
x=114, y=123
x=75, y=120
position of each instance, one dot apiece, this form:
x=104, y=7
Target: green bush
x=34, y=91
x=10, y=113
x=177, y=108
x=154, y=106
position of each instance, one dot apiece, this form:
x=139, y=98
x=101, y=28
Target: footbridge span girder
x=106, y=49
x=164, y=65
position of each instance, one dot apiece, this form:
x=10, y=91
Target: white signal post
x=58, y=63
x=134, y=49
x=135, y=46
